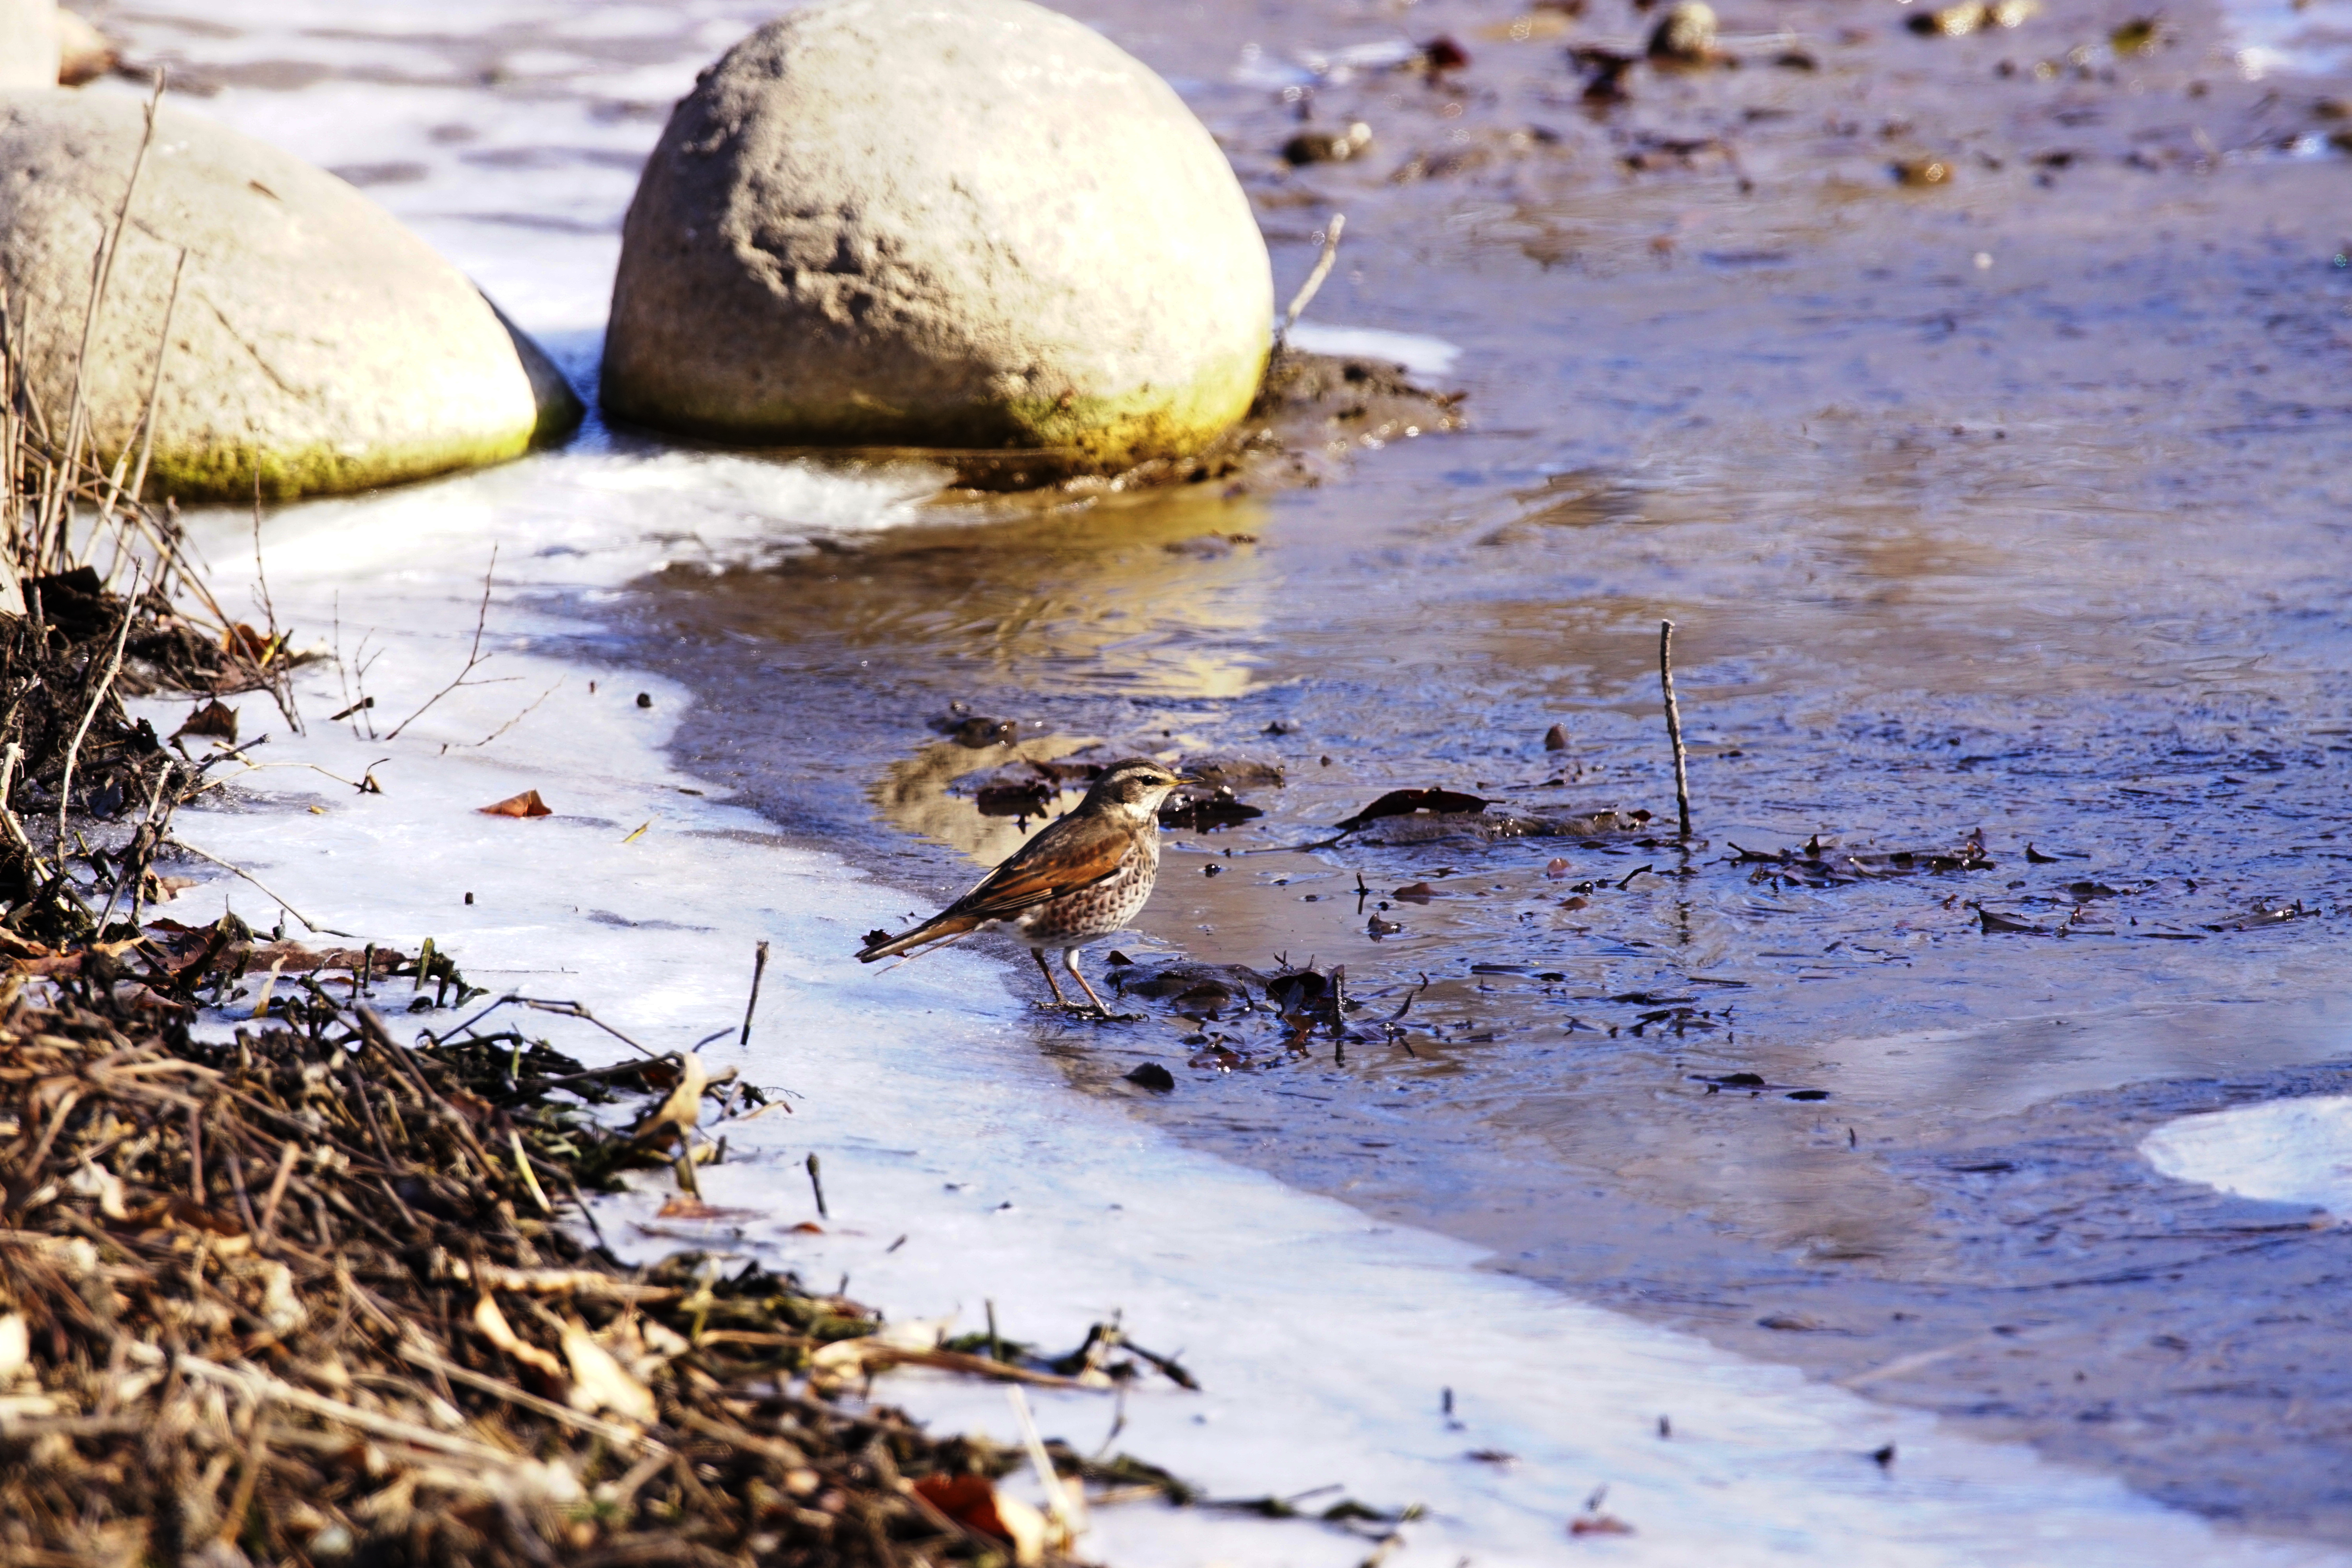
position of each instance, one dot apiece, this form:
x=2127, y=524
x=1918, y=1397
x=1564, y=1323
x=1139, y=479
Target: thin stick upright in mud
x=1675, y=724
x=1308, y=289
x=759, y=968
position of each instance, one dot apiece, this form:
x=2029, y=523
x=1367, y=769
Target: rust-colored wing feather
x=1074, y=853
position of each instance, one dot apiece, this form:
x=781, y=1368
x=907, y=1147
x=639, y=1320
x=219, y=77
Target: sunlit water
x=2012, y=508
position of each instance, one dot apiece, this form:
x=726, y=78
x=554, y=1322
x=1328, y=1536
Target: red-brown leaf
x=527, y=804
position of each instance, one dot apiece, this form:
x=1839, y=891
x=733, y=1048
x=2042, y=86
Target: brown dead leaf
x=215, y=718
x=683, y=1107
x=974, y=1502
x=242, y=640
x=527, y=804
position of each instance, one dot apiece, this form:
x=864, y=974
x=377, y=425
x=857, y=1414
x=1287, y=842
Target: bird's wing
x=1052, y=864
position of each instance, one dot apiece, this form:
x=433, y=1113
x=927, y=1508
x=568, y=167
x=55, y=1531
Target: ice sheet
x=1324, y=1342
x=1417, y=351
x=2282, y=1150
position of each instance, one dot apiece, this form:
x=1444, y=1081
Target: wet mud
x=2002, y=515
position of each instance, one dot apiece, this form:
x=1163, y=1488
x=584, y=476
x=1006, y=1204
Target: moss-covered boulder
x=316, y=342
x=939, y=223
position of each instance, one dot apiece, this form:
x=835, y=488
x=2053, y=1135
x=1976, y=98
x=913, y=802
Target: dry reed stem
x=1314, y=284
x=1674, y=725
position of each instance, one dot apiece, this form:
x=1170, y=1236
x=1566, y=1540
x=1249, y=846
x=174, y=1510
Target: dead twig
x=473, y=656
x=240, y=871
x=1675, y=724
x=50, y=543
x=1314, y=284
x=759, y=968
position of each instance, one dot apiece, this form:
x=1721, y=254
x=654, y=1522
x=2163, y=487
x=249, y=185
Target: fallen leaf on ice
x=527, y=804
x=1599, y=1524
x=215, y=718
x=683, y=1109
x=974, y=1502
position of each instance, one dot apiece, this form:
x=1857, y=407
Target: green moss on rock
x=227, y=474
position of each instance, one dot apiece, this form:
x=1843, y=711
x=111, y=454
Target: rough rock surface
x=28, y=44
x=314, y=339
x=944, y=223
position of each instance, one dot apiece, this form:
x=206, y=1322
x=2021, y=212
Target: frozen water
x=2284, y=1151
x=1417, y=351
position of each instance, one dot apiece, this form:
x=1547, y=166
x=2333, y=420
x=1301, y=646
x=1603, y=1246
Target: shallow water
x=2012, y=505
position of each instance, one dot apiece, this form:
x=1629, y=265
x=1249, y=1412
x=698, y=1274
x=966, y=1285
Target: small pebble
x=1327, y=146
x=1686, y=34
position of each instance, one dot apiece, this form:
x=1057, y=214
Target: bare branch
x=473, y=656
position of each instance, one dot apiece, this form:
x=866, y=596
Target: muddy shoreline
x=2007, y=505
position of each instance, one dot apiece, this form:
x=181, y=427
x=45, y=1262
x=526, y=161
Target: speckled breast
x=1102, y=908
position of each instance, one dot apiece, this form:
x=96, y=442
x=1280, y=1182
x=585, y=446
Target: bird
x=1082, y=878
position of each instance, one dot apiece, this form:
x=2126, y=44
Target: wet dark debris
x=976, y=730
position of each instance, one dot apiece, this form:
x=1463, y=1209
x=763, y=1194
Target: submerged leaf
x=1405, y=802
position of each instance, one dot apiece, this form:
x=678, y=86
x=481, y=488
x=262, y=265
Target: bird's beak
x=1187, y=778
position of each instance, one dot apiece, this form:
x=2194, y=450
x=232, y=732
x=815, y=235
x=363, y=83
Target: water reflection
x=1165, y=600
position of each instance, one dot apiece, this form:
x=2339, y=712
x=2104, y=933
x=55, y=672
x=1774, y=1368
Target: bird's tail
x=881, y=944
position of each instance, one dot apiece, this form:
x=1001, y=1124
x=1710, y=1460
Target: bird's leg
x=1059, y=1000
x=1070, y=961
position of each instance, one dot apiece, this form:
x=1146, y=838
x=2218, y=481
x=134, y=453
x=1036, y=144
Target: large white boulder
x=316, y=341
x=83, y=52
x=943, y=223
x=29, y=43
